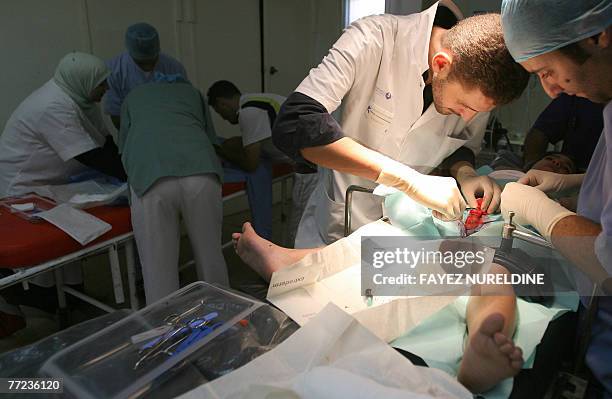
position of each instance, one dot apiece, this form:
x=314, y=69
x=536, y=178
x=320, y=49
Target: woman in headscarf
x=58, y=132
x=55, y=133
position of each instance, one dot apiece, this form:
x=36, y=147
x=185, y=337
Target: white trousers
x=303, y=186
x=156, y=222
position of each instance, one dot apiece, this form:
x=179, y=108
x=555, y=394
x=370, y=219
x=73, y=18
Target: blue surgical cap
x=536, y=27
x=142, y=42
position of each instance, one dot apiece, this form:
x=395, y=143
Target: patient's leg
x=263, y=256
x=490, y=355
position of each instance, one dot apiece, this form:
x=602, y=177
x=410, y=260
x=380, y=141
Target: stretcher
x=52, y=249
x=31, y=249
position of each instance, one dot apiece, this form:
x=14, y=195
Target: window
x=356, y=9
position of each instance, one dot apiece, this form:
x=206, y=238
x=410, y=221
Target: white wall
x=298, y=34
x=35, y=35
x=214, y=39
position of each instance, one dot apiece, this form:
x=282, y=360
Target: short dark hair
x=481, y=58
x=221, y=89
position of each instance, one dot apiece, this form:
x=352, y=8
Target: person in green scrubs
x=166, y=144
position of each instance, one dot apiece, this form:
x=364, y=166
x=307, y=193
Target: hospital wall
x=213, y=39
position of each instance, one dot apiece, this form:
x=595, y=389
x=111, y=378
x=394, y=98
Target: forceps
x=174, y=337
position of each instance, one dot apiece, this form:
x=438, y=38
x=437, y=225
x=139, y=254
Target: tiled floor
x=97, y=282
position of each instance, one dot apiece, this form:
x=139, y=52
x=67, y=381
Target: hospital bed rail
x=349, y=203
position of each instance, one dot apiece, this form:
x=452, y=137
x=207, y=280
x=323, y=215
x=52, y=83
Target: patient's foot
x=263, y=256
x=489, y=357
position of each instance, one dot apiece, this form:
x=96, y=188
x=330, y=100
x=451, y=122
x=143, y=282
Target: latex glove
x=532, y=207
x=473, y=186
x=550, y=182
x=440, y=194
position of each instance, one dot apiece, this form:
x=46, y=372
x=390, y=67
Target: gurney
x=53, y=250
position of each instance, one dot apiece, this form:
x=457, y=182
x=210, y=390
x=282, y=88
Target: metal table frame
x=111, y=247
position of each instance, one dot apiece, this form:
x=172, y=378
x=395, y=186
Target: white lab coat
x=38, y=146
x=375, y=70
x=41, y=139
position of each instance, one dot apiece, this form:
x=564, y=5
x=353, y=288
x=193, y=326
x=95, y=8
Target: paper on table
x=79, y=225
x=84, y=194
x=333, y=275
x=343, y=360
x=28, y=206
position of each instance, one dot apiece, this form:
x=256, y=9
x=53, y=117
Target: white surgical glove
x=473, y=185
x=532, y=207
x=550, y=182
x=440, y=194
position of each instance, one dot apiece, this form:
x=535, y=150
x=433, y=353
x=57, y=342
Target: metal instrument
x=182, y=334
x=509, y=233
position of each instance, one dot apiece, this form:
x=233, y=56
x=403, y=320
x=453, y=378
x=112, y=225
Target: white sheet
x=332, y=356
x=333, y=275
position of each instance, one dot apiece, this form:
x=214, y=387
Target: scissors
x=169, y=340
x=175, y=318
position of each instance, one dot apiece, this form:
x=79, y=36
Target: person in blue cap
x=568, y=44
x=136, y=66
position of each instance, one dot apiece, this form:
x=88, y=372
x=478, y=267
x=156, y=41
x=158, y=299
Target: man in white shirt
x=253, y=152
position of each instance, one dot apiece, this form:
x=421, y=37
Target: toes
x=500, y=339
x=507, y=349
x=516, y=364
x=519, y=352
x=516, y=355
x=494, y=323
x=246, y=227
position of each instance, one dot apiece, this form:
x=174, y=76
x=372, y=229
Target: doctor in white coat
x=379, y=71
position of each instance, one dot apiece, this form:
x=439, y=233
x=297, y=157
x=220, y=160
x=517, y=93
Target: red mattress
x=23, y=243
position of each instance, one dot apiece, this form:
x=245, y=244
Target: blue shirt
x=575, y=120
x=595, y=203
x=126, y=75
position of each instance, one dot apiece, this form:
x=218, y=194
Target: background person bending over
x=135, y=66
x=173, y=172
x=575, y=121
x=490, y=354
x=253, y=152
x=391, y=132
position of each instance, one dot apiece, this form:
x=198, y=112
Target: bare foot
x=263, y=256
x=489, y=357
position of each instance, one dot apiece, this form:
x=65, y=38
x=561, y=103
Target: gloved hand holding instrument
x=440, y=194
